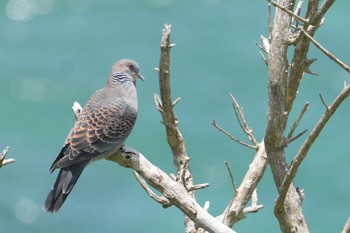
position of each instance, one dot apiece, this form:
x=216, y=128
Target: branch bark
x=291, y=218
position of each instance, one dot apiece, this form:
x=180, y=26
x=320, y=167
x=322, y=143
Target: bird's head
x=128, y=67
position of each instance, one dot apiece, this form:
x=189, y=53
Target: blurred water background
x=53, y=53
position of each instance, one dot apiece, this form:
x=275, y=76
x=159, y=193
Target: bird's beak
x=141, y=77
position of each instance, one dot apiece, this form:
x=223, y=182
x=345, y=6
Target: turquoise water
x=53, y=53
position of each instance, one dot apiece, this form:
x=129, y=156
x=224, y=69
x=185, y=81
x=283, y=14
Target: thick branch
x=172, y=190
x=291, y=219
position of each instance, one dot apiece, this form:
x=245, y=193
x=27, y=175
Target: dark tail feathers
x=66, y=179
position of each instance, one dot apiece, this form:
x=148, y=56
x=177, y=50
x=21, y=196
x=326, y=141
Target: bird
x=100, y=130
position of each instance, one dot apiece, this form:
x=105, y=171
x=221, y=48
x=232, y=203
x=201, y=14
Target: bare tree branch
x=292, y=139
x=323, y=9
x=174, y=136
x=242, y=122
x=296, y=123
x=254, y=207
x=289, y=12
x=325, y=51
x=231, y=176
x=232, y=137
x=322, y=100
x=297, y=11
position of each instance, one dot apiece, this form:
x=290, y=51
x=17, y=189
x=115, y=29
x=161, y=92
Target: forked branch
x=242, y=123
x=3, y=160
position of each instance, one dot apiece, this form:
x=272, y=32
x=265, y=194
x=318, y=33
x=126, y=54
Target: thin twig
x=231, y=176
x=266, y=44
x=323, y=9
x=197, y=186
x=206, y=206
x=232, y=137
x=260, y=47
x=242, y=122
x=269, y=20
x=297, y=11
x=264, y=58
x=323, y=102
x=254, y=207
x=158, y=102
x=289, y=140
x=325, y=51
x=296, y=123
x=289, y=12
x=176, y=101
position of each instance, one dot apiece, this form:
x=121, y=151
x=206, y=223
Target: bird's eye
x=131, y=67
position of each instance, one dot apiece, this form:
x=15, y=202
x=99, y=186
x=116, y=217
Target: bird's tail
x=66, y=179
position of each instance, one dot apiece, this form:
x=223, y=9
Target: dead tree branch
x=296, y=123
x=165, y=105
x=242, y=122
x=289, y=12
x=232, y=137
x=231, y=176
x=325, y=51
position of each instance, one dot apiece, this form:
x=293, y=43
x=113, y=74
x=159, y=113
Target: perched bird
x=100, y=130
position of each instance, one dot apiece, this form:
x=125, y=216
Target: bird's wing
x=104, y=123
